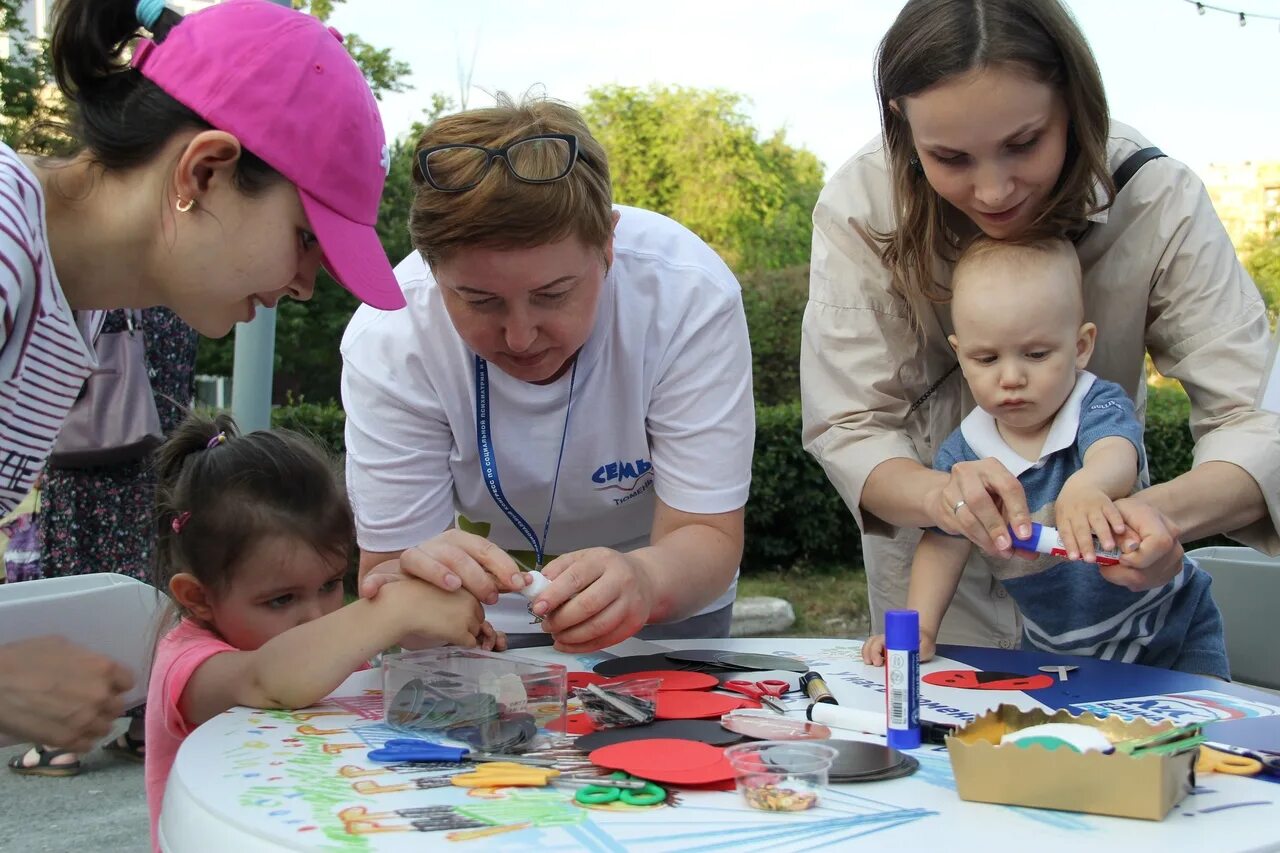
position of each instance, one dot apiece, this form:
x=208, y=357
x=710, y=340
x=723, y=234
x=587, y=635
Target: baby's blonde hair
x=985, y=253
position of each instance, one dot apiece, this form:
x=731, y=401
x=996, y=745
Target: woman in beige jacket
x=995, y=122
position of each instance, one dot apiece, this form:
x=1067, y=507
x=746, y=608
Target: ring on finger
x=956, y=509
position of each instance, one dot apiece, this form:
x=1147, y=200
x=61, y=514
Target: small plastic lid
x=902, y=629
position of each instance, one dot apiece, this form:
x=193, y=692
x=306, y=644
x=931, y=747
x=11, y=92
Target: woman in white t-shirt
x=569, y=389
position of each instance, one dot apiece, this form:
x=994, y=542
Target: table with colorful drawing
x=252, y=780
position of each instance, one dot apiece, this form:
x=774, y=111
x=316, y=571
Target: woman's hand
x=980, y=501
x=597, y=597
x=1158, y=556
x=452, y=560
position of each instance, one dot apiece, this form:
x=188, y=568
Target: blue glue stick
x=902, y=678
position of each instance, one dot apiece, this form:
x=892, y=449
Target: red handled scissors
x=758, y=689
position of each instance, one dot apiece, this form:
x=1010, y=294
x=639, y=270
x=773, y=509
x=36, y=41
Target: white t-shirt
x=662, y=406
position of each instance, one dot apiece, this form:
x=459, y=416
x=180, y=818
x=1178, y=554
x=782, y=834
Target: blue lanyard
x=489, y=460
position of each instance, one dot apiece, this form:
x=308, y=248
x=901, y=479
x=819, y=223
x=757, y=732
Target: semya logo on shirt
x=631, y=479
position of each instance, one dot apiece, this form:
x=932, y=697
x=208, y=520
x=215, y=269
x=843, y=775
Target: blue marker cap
x=1028, y=544
x=902, y=630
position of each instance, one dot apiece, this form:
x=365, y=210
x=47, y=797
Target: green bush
x=322, y=421
x=774, y=301
x=1168, y=435
x=794, y=514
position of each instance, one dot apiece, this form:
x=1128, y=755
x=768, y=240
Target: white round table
x=251, y=780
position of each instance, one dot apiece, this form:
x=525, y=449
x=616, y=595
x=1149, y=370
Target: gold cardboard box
x=1116, y=784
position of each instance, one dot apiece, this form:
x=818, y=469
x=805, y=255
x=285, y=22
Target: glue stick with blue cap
x=902, y=678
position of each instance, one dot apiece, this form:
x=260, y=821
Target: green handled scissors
x=599, y=794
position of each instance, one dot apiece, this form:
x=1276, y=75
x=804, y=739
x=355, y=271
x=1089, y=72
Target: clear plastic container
x=781, y=776
x=617, y=704
x=491, y=702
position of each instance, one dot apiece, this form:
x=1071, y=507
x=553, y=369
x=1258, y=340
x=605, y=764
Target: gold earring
x=184, y=205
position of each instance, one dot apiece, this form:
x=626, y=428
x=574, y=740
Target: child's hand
x=873, y=649
x=1082, y=512
x=491, y=639
x=426, y=612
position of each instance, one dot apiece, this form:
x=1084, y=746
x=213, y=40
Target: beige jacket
x=1160, y=276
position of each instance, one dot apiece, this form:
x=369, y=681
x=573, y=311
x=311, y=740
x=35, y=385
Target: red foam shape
x=701, y=777
x=721, y=785
x=673, y=679
x=574, y=724
x=695, y=705
x=582, y=679
x=978, y=680
x=664, y=755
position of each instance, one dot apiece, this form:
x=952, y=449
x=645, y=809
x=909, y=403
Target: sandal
x=44, y=765
x=127, y=747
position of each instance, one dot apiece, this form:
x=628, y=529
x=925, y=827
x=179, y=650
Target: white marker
x=872, y=722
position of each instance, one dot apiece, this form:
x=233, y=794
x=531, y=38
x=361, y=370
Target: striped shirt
x=44, y=357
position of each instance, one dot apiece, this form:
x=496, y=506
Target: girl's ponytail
x=193, y=435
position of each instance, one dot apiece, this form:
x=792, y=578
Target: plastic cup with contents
x=614, y=704
x=781, y=776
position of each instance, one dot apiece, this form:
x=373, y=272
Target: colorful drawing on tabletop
x=359, y=821
x=973, y=679
x=521, y=805
x=1204, y=706
x=367, y=706
x=299, y=787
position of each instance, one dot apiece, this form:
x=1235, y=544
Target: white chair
x=1246, y=586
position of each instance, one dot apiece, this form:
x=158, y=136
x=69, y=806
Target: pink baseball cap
x=284, y=85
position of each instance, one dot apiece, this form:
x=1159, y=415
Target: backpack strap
x=1133, y=163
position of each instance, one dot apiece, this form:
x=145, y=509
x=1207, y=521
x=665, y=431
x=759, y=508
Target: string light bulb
x=1241, y=17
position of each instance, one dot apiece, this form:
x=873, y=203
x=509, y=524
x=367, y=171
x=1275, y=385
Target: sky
x=1203, y=88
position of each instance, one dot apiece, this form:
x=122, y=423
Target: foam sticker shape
x=906, y=767
x=670, y=761
x=573, y=724
x=703, y=731
x=642, y=663
x=977, y=680
x=673, y=679
x=582, y=679
x=856, y=758
x=696, y=705
x=664, y=754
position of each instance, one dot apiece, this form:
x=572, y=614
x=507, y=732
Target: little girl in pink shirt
x=255, y=535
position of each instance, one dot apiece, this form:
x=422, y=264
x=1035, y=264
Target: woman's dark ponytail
x=120, y=117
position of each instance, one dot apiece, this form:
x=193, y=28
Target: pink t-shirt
x=178, y=655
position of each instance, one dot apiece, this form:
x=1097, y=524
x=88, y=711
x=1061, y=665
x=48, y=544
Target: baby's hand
x=873, y=649
x=1082, y=512
x=426, y=612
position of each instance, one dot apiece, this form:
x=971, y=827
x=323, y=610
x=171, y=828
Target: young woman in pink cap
x=237, y=151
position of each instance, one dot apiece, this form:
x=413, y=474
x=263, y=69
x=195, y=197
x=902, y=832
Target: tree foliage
x=384, y=72
x=31, y=109
x=1261, y=256
x=693, y=155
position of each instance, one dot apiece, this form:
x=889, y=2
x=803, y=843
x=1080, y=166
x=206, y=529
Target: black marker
x=815, y=687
